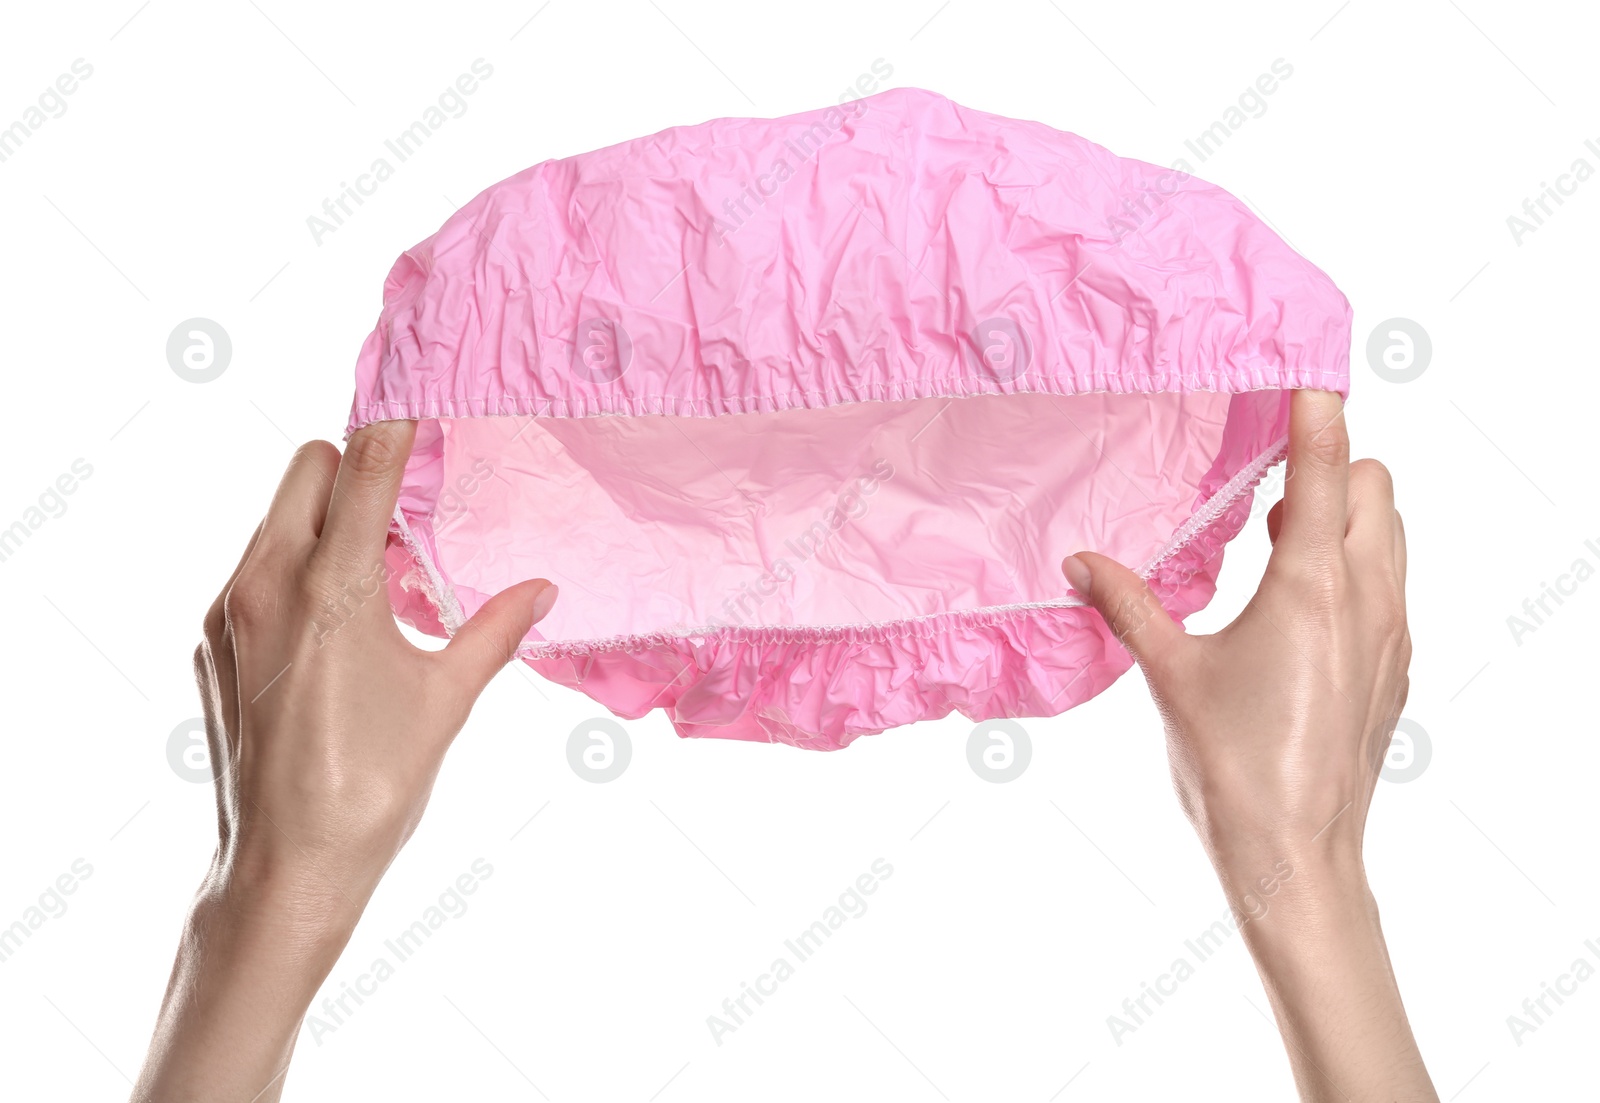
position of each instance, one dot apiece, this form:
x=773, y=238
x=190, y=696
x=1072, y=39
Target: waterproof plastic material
x=802, y=414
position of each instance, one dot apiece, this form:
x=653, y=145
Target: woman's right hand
x=1277, y=727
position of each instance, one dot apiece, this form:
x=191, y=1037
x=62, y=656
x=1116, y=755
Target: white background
x=1019, y=916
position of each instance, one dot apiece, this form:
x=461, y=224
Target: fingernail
x=1077, y=572
x=546, y=599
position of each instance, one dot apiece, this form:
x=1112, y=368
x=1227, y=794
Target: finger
x=214, y=670
x=1400, y=550
x=219, y=709
x=364, y=491
x=1315, y=495
x=1127, y=604
x=489, y=640
x=1275, y=522
x=1369, y=532
x=216, y=619
x=295, y=518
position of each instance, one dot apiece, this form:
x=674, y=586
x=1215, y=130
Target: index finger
x=365, y=489
x=1316, y=493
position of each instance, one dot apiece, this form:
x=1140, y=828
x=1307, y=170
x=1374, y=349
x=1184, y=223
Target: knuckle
x=339, y=584
x=215, y=622
x=1390, y=619
x=335, y=567
x=1329, y=446
x=1387, y=615
x=319, y=454
x=1322, y=591
x=1316, y=581
x=316, y=450
x=370, y=452
x=247, y=602
x=1372, y=473
x=322, y=586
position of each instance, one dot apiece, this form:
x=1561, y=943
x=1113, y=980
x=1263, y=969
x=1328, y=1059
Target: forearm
x=249, y=963
x=319, y=782
x=1322, y=958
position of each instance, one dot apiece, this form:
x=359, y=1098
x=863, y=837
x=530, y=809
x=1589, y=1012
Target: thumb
x=489, y=640
x=1130, y=609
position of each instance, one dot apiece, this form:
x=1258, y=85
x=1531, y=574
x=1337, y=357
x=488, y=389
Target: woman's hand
x=326, y=729
x=1277, y=727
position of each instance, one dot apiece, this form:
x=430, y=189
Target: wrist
x=1310, y=923
x=286, y=903
x=257, y=953
x=1277, y=859
x=250, y=960
x=1318, y=911
x=1285, y=897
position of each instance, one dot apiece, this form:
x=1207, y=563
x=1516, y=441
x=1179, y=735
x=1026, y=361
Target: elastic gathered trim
x=1253, y=379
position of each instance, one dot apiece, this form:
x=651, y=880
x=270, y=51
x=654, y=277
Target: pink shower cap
x=802, y=414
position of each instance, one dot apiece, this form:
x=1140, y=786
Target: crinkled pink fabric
x=802, y=414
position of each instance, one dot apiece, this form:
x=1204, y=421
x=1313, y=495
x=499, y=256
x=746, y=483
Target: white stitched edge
x=442, y=594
